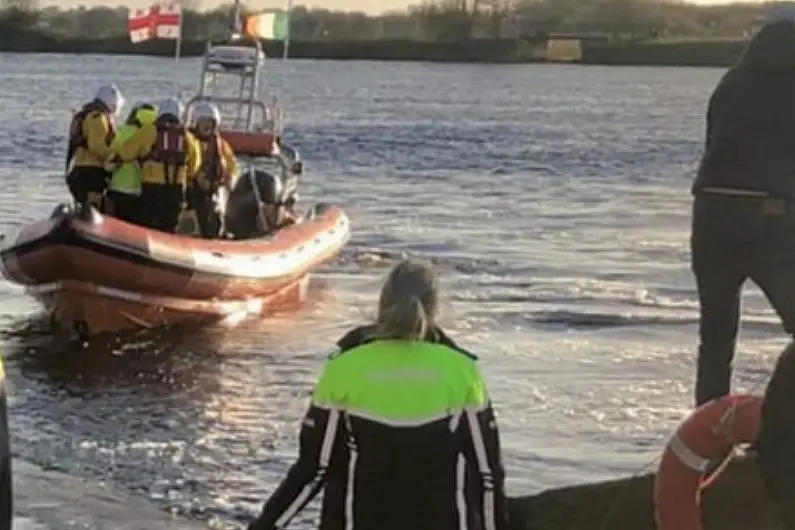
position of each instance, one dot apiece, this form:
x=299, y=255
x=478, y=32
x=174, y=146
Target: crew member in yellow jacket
x=91, y=133
x=170, y=157
x=124, y=190
x=218, y=169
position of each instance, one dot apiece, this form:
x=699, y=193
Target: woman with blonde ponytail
x=400, y=432
x=408, y=304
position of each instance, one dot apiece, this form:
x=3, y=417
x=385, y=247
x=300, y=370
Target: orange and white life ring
x=710, y=433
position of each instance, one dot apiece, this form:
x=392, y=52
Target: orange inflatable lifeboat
x=96, y=273
x=709, y=434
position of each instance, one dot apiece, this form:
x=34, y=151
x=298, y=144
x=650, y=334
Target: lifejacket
x=77, y=138
x=213, y=164
x=169, y=149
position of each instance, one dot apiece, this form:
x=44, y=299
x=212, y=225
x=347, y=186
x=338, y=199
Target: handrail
x=289, y=160
x=253, y=104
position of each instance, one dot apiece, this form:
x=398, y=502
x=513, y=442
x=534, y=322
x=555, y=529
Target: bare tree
x=629, y=18
x=498, y=13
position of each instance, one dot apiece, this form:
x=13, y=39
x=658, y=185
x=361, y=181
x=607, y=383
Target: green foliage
x=434, y=20
x=662, y=32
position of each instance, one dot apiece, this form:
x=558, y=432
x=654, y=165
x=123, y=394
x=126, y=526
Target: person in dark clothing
x=743, y=223
x=775, y=443
x=400, y=433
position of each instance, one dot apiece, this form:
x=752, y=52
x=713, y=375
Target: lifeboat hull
x=95, y=269
x=83, y=309
x=106, y=251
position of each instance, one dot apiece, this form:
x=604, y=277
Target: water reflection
x=102, y=409
x=200, y=419
x=152, y=363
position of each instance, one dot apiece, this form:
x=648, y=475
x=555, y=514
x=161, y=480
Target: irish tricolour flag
x=269, y=25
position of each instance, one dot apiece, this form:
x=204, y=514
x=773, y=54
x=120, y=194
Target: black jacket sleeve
x=484, y=457
x=6, y=502
x=319, y=438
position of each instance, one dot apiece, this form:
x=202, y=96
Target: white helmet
x=171, y=107
x=206, y=110
x=111, y=97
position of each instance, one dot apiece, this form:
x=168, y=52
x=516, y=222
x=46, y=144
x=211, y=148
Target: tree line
x=433, y=20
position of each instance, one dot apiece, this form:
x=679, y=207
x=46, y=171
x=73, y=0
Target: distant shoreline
x=714, y=53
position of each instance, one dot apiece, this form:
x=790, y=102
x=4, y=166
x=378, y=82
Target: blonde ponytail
x=408, y=303
x=403, y=320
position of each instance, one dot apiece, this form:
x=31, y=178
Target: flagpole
x=285, y=55
x=286, y=50
x=178, y=47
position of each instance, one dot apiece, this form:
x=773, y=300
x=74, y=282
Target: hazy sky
x=372, y=6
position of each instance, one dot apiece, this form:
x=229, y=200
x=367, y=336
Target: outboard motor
x=242, y=209
x=290, y=192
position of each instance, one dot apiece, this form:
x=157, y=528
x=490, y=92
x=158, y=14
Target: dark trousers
x=83, y=180
x=160, y=206
x=734, y=239
x=124, y=206
x=204, y=204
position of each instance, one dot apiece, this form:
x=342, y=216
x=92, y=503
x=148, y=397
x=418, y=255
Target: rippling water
x=554, y=200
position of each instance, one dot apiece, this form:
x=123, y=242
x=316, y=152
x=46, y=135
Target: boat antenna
x=236, y=29
x=180, y=4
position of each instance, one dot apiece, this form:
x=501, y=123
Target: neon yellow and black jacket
x=127, y=177
x=400, y=436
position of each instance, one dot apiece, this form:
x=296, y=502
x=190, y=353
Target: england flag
x=163, y=20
